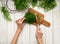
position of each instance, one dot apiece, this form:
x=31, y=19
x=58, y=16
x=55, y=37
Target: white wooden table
x=51, y=35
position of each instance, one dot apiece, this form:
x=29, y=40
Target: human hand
x=39, y=34
x=20, y=23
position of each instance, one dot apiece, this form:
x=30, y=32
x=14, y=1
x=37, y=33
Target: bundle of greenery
x=30, y=18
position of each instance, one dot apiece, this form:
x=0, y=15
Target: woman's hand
x=20, y=23
x=39, y=35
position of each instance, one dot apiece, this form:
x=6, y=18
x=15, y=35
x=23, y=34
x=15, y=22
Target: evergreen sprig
x=6, y=14
x=21, y=4
x=45, y=4
x=34, y=3
x=30, y=18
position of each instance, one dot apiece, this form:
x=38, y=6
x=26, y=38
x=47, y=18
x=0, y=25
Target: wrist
x=19, y=29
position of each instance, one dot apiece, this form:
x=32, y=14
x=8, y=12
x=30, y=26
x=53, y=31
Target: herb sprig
x=6, y=14
x=47, y=5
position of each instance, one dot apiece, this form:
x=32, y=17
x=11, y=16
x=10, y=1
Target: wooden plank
x=56, y=13
x=26, y=34
x=10, y=29
x=3, y=26
x=48, y=30
x=32, y=34
x=3, y=30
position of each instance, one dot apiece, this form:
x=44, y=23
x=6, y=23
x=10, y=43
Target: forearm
x=40, y=42
x=14, y=41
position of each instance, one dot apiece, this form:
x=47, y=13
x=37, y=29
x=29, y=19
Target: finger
x=23, y=24
x=17, y=20
x=20, y=20
x=23, y=19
